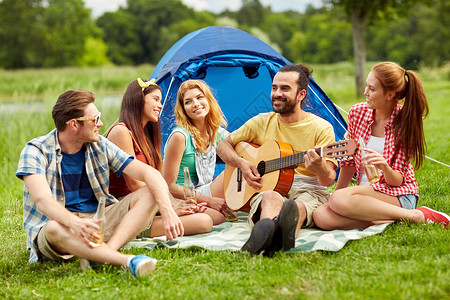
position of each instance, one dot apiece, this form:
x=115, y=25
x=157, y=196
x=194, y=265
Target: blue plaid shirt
x=43, y=156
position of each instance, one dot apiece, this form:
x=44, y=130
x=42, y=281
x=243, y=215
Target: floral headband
x=146, y=84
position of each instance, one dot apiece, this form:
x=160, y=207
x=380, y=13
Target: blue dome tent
x=239, y=69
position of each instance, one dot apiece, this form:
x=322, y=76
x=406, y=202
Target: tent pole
x=340, y=108
x=167, y=94
x=111, y=126
x=327, y=108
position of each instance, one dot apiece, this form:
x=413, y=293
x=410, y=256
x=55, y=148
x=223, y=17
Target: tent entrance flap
x=239, y=96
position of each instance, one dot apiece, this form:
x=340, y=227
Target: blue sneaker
x=142, y=265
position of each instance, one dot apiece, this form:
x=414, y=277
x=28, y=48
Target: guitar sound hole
x=261, y=168
x=239, y=180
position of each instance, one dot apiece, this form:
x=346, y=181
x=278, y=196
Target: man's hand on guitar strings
x=315, y=163
x=250, y=173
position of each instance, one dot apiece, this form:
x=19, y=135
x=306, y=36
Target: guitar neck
x=287, y=161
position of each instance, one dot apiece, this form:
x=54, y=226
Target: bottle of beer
x=100, y=215
x=188, y=187
x=371, y=171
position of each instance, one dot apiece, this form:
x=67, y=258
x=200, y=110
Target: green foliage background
x=53, y=33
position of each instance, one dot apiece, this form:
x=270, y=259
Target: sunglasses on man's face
x=96, y=119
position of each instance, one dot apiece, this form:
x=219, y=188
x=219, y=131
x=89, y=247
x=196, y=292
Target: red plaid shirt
x=360, y=120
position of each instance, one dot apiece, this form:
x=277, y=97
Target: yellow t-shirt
x=309, y=133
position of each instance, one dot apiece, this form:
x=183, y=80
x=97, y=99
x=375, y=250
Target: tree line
x=54, y=33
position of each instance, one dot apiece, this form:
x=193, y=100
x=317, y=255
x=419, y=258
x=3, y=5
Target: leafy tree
x=150, y=17
x=361, y=12
x=38, y=33
x=226, y=21
x=420, y=39
x=383, y=45
x=252, y=13
x=145, y=29
x=172, y=33
x=317, y=36
x=68, y=23
x=19, y=44
x=95, y=53
x=228, y=14
x=296, y=47
x=327, y=39
x=281, y=28
x=433, y=33
x=121, y=35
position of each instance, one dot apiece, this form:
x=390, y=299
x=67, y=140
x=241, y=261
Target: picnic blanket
x=231, y=236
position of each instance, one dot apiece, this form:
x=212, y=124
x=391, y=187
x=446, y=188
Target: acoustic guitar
x=275, y=162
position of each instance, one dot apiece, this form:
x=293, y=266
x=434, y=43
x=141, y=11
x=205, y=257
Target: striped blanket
x=231, y=236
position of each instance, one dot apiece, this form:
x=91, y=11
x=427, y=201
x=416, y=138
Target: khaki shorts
x=310, y=198
x=114, y=214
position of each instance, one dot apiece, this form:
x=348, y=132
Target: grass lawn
x=406, y=261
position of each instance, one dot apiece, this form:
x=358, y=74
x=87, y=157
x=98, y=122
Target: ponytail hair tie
x=406, y=76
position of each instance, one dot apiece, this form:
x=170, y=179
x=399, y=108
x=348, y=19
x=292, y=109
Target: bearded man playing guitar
x=276, y=218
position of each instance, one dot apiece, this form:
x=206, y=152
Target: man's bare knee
x=55, y=232
x=301, y=207
x=302, y=214
x=271, y=198
x=271, y=204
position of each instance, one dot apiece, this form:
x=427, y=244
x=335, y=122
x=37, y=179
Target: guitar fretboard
x=285, y=162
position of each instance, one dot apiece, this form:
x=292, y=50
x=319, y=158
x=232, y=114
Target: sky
x=101, y=6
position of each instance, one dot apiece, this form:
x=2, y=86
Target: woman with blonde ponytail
x=390, y=123
x=193, y=144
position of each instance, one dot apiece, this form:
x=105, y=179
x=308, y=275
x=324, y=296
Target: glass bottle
x=100, y=215
x=370, y=170
x=188, y=186
x=229, y=217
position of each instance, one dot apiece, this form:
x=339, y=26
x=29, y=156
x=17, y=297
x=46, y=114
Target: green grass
x=406, y=261
x=44, y=84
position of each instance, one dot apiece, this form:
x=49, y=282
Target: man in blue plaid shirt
x=65, y=173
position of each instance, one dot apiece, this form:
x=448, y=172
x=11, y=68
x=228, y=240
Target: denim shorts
x=408, y=201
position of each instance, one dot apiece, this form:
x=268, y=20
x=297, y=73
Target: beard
x=284, y=110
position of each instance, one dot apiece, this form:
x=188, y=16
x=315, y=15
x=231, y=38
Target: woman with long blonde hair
x=390, y=124
x=193, y=144
x=138, y=133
